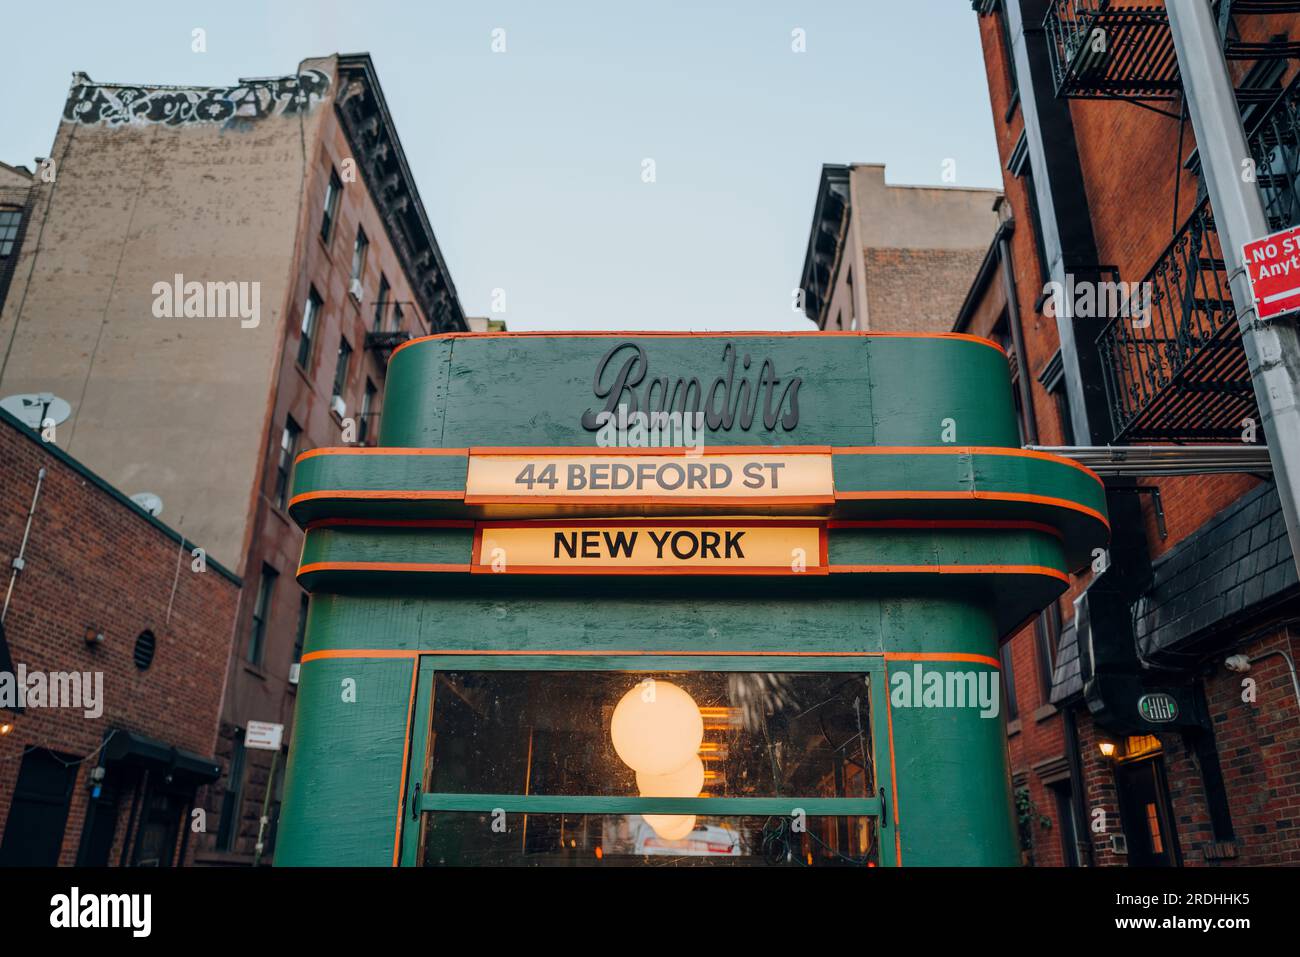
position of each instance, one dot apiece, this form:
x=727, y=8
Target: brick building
x=113, y=774
x=1132, y=738
x=893, y=258
x=213, y=280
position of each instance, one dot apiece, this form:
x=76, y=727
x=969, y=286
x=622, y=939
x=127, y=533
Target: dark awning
x=137, y=749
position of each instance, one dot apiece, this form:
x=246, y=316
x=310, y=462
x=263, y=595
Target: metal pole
x=266, y=804
x=1272, y=348
x=20, y=561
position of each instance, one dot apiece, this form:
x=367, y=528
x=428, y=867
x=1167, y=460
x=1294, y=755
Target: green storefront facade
x=794, y=626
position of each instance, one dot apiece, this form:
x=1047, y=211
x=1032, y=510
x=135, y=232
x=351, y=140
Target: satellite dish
x=148, y=501
x=35, y=409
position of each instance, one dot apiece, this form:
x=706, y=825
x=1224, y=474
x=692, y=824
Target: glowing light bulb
x=687, y=781
x=671, y=827
x=656, y=728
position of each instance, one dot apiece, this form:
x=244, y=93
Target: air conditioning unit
x=338, y=406
x=293, y=672
x=354, y=288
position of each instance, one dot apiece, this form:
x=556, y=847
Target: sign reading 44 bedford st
x=731, y=477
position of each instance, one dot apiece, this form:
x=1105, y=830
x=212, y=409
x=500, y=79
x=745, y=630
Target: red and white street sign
x=1273, y=264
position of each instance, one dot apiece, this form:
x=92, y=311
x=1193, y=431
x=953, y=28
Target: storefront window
x=604, y=744
x=540, y=840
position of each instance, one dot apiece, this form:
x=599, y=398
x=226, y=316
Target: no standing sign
x=1273, y=265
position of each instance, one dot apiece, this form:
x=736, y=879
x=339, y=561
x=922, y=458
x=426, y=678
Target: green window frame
x=417, y=803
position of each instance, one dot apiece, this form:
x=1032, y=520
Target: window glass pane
x=331, y=206
x=687, y=734
x=9, y=221
x=615, y=840
x=381, y=304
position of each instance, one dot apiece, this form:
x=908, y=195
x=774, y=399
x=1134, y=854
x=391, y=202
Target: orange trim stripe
x=893, y=773
x=381, y=567
x=909, y=523
x=700, y=500
x=952, y=570
x=942, y=656
x=623, y=653
x=399, y=494
x=390, y=523
x=712, y=450
x=406, y=756
x=666, y=334
x=965, y=449
x=991, y=496
x=375, y=450
x=673, y=570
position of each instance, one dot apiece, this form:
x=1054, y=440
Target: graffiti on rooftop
x=91, y=103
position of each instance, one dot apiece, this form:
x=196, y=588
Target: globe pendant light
x=671, y=827
x=656, y=728
x=687, y=781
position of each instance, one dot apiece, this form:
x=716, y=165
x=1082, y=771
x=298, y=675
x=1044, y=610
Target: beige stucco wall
x=170, y=406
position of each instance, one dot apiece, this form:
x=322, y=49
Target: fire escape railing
x=1176, y=370
x=1274, y=141
x=1103, y=51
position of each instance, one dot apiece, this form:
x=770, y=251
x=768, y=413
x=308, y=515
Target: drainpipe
x=22, y=549
x=1272, y=348
x=1017, y=339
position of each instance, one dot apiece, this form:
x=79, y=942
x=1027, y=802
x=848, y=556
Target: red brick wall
x=1259, y=752
x=1036, y=736
x=93, y=561
x=1131, y=161
x=917, y=290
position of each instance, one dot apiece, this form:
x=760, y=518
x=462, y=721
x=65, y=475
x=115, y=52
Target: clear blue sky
x=529, y=162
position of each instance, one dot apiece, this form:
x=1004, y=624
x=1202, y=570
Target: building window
x=397, y=317
x=300, y=636
x=367, y=403
x=310, y=316
x=1009, y=682
x=1070, y=837
x=359, y=250
x=331, y=206
x=1047, y=630
x=381, y=305
x=228, y=832
x=261, y=609
x=9, y=221
x=284, y=466
x=578, y=739
x=341, y=367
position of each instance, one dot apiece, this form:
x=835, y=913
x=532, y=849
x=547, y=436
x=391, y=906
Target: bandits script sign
x=744, y=393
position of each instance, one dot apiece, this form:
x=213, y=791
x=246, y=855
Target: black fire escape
x=1177, y=371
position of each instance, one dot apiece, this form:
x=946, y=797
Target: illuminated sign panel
x=707, y=546
x=769, y=476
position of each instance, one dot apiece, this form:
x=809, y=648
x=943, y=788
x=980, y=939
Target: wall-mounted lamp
x=5, y=727
x=94, y=636
x=1107, y=749
x=1238, y=663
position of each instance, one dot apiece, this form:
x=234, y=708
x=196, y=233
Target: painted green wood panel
x=918, y=384
x=344, y=776
x=532, y=390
